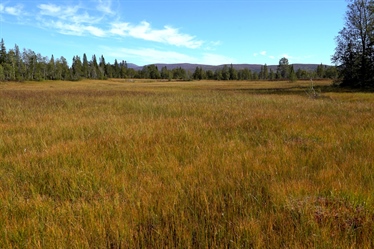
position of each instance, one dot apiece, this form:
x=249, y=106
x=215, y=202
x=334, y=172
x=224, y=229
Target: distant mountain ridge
x=253, y=67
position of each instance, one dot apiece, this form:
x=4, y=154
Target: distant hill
x=252, y=67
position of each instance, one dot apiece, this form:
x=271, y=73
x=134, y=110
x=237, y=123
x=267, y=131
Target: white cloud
x=75, y=20
x=74, y=28
x=65, y=28
x=210, y=46
x=264, y=53
x=16, y=10
x=13, y=11
x=49, y=9
x=95, y=31
x=102, y=20
x=105, y=6
x=71, y=14
x=69, y=20
x=167, y=35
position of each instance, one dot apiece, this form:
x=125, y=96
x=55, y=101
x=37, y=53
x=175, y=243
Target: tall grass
x=120, y=164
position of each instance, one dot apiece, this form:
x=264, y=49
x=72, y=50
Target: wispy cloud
x=16, y=10
x=265, y=54
x=105, y=6
x=76, y=29
x=70, y=20
x=167, y=35
x=212, y=45
x=69, y=14
x=101, y=19
x=78, y=20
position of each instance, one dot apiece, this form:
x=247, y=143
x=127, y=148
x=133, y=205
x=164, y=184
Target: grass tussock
x=120, y=164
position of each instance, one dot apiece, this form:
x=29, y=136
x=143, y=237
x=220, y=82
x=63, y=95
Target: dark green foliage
x=2, y=52
x=292, y=76
x=245, y=74
x=85, y=67
x=354, y=53
x=264, y=73
x=320, y=71
x=76, y=68
x=165, y=73
x=179, y=74
x=283, y=70
x=225, y=73
x=199, y=74
x=233, y=73
x=28, y=65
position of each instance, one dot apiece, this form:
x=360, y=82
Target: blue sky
x=176, y=31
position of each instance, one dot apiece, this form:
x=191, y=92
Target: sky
x=143, y=32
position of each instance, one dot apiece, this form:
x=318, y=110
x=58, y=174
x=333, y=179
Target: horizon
x=227, y=64
x=176, y=32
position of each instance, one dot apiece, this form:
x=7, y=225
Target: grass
x=132, y=164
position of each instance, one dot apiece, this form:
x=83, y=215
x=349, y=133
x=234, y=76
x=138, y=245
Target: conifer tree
x=3, y=53
x=85, y=67
x=354, y=53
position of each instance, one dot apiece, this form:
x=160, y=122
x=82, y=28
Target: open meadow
x=201, y=164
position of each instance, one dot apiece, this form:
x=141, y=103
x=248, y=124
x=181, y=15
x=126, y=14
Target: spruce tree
x=2, y=52
x=85, y=67
x=354, y=54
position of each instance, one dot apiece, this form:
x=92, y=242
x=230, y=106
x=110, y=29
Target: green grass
x=122, y=164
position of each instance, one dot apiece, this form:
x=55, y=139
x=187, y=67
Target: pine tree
x=165, y=73
x=233, y=73
x=292, y=76
x=271, y=75
x=11, y=65
x=103, y=74
x=19, y=70
x=225, y=73
x=354, y=53
x=320, y=71
x=266, y=72
x=51, y=68
x=76, y=68
x=116, y=69
x=85, y=67
x=123, y=69
x=3, y=53
x=283, y=69
x=94, y=68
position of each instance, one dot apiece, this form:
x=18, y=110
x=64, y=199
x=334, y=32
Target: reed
x=119, y=164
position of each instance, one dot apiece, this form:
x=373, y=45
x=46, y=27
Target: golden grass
x=149, y=164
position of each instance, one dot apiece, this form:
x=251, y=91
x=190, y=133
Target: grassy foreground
x=120, y=164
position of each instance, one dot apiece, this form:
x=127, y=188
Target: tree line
x=284, y=71
x=28, y=65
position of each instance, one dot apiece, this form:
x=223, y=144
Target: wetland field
x=200, y=164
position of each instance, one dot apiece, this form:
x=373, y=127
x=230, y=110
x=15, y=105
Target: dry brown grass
x=132, y=164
